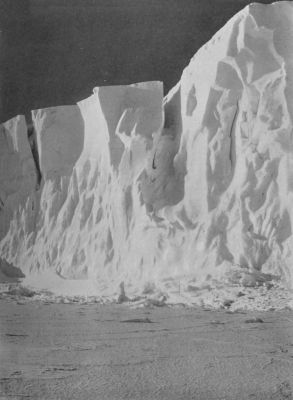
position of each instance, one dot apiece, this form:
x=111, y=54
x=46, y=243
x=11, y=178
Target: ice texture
x=18, y=177
x=152, y=192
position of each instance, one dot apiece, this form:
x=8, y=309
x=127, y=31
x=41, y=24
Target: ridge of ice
x=192, y=189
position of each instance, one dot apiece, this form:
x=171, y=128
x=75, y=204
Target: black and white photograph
x=146, y=200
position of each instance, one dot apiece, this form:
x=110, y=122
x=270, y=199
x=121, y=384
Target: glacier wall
x=128, y=186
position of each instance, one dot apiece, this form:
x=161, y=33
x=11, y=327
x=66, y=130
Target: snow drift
x=195, y=188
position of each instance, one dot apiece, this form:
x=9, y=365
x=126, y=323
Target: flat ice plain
x=112, y=352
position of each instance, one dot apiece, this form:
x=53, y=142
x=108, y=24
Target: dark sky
x=53, y=52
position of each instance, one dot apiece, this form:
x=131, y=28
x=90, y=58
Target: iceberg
x=130, y=189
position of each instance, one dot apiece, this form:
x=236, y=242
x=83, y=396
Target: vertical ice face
x=59, y=135
x=18, y=176
x=237, y=135
x=140, y=189
x=92, y=157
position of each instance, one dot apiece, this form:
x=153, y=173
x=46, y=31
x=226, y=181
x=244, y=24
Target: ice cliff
x=128, y=186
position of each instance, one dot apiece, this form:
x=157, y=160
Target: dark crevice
x=32, y=139
x=1, y=204
x=154, y=166
x=232, y=152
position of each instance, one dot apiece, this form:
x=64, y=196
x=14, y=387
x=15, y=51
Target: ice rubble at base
x=190, y=190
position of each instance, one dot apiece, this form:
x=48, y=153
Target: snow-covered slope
x=189, y=190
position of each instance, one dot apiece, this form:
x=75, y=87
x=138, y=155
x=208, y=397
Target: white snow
x=18, y=178
x=59, y=132
x=165, y=195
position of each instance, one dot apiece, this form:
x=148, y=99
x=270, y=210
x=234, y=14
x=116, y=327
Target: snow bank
x=168, y=194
